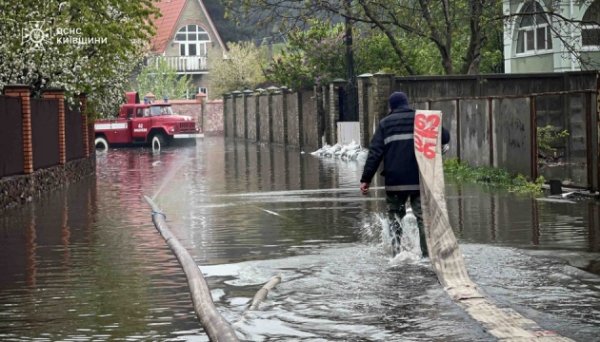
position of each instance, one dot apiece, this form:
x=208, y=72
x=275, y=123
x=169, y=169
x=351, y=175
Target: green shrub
x=548, y=138
x=492, y=177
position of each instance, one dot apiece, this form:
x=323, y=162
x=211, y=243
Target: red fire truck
x=147, y=123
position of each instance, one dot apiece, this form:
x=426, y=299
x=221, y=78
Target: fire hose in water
x=217, y=328
x=446, y=258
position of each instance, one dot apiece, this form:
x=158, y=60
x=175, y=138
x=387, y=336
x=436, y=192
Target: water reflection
x=85, y=263
x=493, y=216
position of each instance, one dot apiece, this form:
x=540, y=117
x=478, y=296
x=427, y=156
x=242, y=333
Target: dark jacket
x=393, y=143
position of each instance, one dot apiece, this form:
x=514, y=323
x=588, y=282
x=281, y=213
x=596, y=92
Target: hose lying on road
x=217, y=328
x=446, y=259
x=263, y=292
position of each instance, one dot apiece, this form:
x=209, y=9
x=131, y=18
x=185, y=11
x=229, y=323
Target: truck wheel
x=158, y=142
x=101, y=143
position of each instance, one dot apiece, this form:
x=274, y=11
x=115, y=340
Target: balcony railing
x=183, y=64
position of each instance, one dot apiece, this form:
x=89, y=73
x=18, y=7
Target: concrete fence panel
x=512, y=135
x=325, y=104
x=278, y=120
x=380, y=87
x=449, y=122
x=336, y=91
x=369, y=123
x=229, y=113
x=240, y=116
x=364, y=87
x=294, y=115
x=348, y=132
x=251, y=117
x=579, y=141
x=311, y=136
x=264, y=116
x=474, y=132
x=421, y=105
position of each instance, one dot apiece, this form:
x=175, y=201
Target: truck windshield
x=160, y=110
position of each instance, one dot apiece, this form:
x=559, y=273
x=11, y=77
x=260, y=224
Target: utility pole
x=351, y=90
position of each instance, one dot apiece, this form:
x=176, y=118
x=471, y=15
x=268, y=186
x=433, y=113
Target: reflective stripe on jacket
x=393, y=143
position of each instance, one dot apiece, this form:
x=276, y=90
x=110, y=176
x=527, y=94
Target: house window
x=590, y=30
x=534, y=33
x=193, y=41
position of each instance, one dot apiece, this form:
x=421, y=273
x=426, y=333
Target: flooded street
x=86, y=264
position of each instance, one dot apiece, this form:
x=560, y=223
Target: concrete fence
x=280, y=116
x=493, y=119
x=500, y=124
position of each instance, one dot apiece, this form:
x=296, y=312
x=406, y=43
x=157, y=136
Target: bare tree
x=453, y=27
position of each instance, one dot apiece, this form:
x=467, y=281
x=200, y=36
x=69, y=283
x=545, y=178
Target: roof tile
x=170, y=10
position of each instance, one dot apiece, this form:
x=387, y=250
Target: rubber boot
x=396, y=236
x=423, y=241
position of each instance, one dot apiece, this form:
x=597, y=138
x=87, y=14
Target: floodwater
x=86, y=264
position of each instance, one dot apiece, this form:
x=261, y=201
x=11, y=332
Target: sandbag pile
x=351, y=151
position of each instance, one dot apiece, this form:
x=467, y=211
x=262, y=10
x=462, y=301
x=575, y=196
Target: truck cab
x=147, y=123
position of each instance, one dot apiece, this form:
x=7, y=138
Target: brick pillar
x=59, y=95
x=364, y=83
x=84, y=123
x=334, y=108
x=24, y=93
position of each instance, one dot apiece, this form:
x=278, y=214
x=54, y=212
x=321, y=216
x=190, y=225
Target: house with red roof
x=185, y=34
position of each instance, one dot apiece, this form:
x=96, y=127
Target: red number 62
x=427, y=126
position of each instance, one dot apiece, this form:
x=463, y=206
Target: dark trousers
x=396, y=201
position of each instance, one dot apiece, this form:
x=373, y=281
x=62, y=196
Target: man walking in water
x=393, y=143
